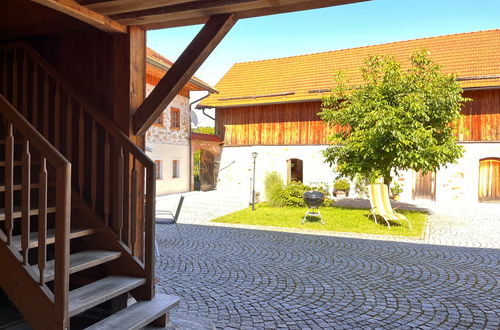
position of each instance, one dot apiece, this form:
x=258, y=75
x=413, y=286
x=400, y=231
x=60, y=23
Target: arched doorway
x=489, y=179
x=295, y=170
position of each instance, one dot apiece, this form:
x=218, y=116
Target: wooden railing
x=35, y=146
x=107, y=165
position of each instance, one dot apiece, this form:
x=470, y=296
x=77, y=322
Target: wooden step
x=75, y=232
x=96, y=293
x=18, y=214
x=138, y=315
x=81, y=260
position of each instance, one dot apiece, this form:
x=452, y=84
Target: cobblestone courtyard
x=255, y=279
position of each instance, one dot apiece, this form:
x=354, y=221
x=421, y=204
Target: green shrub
x=341, y=184
x=273, y=186
x=293, y=192
x=396, y=188
x=328, y=202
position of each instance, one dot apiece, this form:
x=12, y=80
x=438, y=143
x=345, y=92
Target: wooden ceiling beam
x=182, y=70
x=107, y=7
x=74, y=9
x=177, y=9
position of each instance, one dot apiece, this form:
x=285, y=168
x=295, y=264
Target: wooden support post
x=182, y=70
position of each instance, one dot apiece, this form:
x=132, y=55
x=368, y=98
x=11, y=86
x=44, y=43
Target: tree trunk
x=387, y=180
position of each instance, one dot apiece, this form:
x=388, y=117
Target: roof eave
x=194, y=81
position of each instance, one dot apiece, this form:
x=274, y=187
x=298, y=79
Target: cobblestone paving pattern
x=256, y=279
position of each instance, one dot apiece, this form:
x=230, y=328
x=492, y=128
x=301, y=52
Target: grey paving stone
x=267, y=279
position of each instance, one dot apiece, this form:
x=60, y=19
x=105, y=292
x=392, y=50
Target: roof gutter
x=202, y=108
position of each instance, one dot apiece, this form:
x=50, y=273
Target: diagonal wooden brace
x=182, y=70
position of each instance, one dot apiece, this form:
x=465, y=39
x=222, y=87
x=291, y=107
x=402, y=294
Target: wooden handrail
x=89, y=108
x=31, y=134
x=63, y=204
x=118, y=157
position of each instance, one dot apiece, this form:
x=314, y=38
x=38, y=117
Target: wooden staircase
x=71, y=205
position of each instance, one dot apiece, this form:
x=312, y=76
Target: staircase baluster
x=120, y=187
x=46, y=106
x=93, y=188
x=15, y=86
x=9, y=182
x=5, y=67
x=133, y=207
x=24, y=95
x=57, y=117
x=107, y=176
x=34, y=115
x=42, y=220
x=81, y=151
x=25, y=202
x=149, y=225
x=69, y=128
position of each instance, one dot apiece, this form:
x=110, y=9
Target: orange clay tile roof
x=474, y=55
x=157, y=65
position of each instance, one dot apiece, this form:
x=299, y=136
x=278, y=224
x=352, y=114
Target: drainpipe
x=191, y=179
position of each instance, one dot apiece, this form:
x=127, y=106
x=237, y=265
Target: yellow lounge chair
x=381, y=205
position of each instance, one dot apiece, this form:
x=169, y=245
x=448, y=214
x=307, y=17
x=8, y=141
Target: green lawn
x=336, y=219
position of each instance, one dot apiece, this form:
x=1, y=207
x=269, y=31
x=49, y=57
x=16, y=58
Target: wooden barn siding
x=293, y=123
x=299, y=124
x=481, y=116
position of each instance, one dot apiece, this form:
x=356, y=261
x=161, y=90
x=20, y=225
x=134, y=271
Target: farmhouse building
x=270, y=107
x=168, y=141
x=77, y=195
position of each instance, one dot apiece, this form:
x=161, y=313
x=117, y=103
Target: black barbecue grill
x=313, y=200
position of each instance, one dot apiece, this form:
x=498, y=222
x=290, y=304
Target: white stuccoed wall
x=457, y=182
x=237, y=177
x=169, y=144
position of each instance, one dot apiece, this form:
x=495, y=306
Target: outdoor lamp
x=254, y=155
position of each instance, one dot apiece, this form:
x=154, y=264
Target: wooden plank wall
x=277, y=124
x=299, y=124
x=481, y=116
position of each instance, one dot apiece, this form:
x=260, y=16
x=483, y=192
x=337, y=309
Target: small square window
x=175, y=169
x=175, y=118
x=159, y=169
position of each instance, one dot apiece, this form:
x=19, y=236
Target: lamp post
x=254, y=155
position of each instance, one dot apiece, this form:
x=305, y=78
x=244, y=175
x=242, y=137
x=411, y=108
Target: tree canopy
x=397, y=120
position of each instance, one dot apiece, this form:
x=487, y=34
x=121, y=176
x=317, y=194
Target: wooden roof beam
x=182, y=70
x=74, y=9
x=176, y=9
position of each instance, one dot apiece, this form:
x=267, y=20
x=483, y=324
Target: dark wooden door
x=425, y=186
x=207, y=170
x=489, y=179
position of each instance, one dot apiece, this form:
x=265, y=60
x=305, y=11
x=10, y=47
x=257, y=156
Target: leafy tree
x=397, y=120
x=204, y=130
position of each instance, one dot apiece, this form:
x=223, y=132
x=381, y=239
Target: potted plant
x=396, y=190
x=341, y=188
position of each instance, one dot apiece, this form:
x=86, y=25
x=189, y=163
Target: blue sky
x=361, y=24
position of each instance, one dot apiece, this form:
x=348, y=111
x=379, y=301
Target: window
x=175, y=169
x=175, y=118
x=159, y=169
x=159, y=120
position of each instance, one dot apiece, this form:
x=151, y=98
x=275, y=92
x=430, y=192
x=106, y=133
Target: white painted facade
x=457, y=182
x=236, y=166
x=168, y=144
